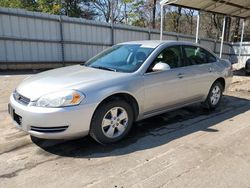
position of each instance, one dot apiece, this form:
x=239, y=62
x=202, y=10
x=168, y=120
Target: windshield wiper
x=104, y=68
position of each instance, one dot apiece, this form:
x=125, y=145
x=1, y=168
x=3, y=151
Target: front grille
x=48, y=129
x=20, y=98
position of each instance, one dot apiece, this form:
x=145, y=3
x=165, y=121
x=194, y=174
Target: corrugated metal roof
x=235, y=8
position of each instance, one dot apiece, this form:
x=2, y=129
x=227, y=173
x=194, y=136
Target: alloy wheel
x=215, y=95
x=115, y=122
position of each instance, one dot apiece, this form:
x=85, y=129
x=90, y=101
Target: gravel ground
x=188, y=147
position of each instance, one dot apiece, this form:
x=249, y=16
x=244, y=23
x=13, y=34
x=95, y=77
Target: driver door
x=166, y=89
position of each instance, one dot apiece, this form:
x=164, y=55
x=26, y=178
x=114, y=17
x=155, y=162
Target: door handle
x=180, y=75
x=210, y=69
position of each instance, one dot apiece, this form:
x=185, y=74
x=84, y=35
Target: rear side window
x=196, y=56
x=210, y=58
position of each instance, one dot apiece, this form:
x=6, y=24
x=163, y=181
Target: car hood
x=72, y=77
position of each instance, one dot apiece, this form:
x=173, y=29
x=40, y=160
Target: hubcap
x=215, y=95
x=115, y=122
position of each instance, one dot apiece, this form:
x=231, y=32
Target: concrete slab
x=188, y=147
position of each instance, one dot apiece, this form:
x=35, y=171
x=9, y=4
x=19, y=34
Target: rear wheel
x=111, y=121
x=214, y=96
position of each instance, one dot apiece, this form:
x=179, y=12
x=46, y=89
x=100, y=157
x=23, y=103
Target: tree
x=235, y=36
x=154, y=13
x=78, y=8
x=24, y=4
x=173, y=16
x=50, y=6
x=189, y=13
x=218, y=23
x=73, y=8
x=142, y=13
x=109, y=9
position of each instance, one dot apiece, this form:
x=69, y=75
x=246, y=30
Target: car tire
x=111, y=121
x=214, y=96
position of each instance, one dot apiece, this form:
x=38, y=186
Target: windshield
x=121, y=58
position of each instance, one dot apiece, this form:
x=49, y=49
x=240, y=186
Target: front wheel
x=214, y=96
x=111, y=121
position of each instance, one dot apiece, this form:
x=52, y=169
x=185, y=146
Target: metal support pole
x=222, y=36
x=241, y=37
x=161, y=21
x=197, y=28
x=62, y=40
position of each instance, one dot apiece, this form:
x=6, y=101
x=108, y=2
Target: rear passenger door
x=200, y=63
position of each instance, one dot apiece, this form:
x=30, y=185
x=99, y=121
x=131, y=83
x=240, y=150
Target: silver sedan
x=125, y=83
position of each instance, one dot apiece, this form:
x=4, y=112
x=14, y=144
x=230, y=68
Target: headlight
x=60, y=99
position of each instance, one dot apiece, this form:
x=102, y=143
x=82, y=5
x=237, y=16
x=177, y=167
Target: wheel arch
x=222, y=81
x=127, y=97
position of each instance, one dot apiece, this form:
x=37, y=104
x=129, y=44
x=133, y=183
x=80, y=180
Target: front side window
x=121, y=58
x=171, y=56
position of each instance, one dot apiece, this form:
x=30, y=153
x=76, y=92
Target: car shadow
x=240, y=72
x=151, y=132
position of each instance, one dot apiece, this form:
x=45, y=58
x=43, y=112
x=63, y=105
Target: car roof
x=155, y=43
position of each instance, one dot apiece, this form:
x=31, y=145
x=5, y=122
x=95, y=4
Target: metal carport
x=231, y=8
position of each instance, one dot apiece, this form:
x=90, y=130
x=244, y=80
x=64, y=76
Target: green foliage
x=25, y=4
x=50, y=6
x=136, y=13
x=73, y=8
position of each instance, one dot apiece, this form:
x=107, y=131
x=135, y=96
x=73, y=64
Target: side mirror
x=161, y=67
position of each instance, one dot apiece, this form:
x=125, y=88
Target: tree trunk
x=227, y=28
x=178, y=20
x=236, y=31
x=154, y=14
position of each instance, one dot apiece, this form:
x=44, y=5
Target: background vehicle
x=126, y=83
x=247, y=67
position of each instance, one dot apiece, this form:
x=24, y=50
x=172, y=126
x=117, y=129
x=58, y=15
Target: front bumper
x=52, y=123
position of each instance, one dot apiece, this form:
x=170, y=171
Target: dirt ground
x=188, y=147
